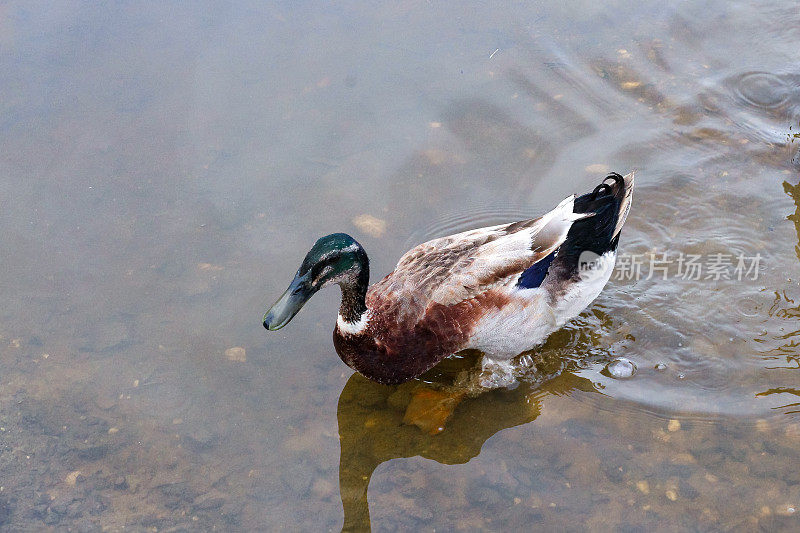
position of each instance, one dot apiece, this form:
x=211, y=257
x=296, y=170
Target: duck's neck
x=353, y=313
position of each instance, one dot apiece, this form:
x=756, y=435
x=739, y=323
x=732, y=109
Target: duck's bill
x=283, y=311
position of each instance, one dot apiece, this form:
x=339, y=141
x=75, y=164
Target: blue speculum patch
x=534, y=275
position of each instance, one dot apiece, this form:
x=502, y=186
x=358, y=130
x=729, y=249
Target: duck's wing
x=455, y=268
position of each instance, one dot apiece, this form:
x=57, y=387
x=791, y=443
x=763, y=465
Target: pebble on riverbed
x=786, y=509
x=72, y=478
x=597, y=168
x=237, y=353
x=372, y=226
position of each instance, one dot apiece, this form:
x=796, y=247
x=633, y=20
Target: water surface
x=165, y=167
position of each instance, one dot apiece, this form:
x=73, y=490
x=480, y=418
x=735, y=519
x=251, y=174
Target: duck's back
x=467, y=273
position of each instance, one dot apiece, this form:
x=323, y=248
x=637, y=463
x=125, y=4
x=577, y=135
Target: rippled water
x=165, y=168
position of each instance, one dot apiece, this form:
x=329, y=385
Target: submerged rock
x=5, y=511
x=237, y=353
x=372, y=226
x=429, y=409
x=108, y=337
x=786, y=509
x=120, y=483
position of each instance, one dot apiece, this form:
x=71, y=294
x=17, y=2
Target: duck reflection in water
x=377, y=424
x=784, y=355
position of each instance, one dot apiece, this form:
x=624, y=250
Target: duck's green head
x=335, y=258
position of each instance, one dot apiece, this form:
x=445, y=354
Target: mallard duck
x=501, y=290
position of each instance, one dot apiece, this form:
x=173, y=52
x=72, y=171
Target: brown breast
x=395, y=347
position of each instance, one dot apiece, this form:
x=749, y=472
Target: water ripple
x=760, y=89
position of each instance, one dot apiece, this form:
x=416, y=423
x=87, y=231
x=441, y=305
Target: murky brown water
x=165, y=167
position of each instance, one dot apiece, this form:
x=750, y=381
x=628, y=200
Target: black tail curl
x=595, y=233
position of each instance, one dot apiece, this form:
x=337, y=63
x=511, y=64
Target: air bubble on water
x=747, y=307
x=660, y=366
x=620, y=368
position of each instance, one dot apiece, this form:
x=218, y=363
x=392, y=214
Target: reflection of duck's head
x=371, y=431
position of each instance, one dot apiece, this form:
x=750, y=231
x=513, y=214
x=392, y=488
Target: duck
x=500, y=290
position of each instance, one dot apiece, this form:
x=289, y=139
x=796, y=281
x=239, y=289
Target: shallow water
x=165, y=167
